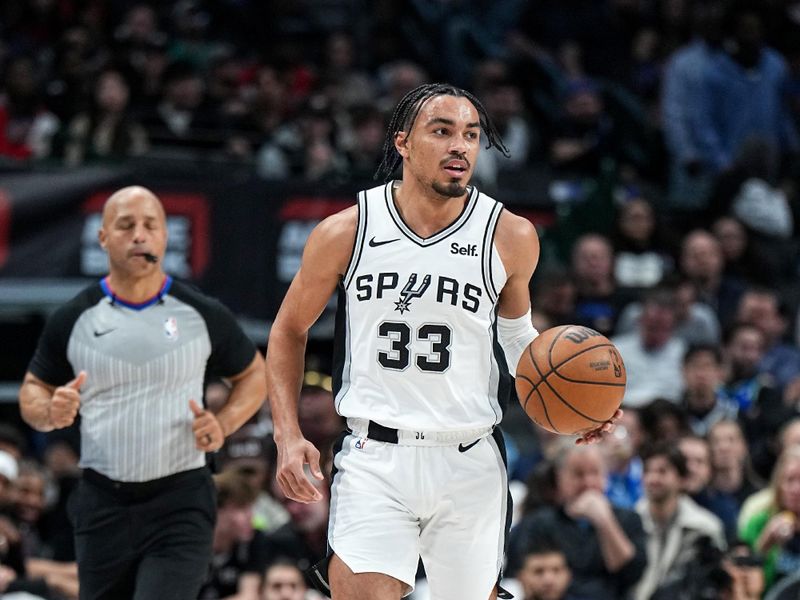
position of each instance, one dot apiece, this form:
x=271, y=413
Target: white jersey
x=416, y=338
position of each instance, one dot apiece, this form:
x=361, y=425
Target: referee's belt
x=138, y=490
x=365, y=428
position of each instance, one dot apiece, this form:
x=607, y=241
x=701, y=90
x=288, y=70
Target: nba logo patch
x=171, y=328
x=361, y=443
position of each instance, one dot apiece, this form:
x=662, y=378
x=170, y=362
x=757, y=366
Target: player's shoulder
x=337, y=230
x=514, y=228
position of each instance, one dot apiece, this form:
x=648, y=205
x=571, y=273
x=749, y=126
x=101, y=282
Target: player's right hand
x=66, y=402
x=293, y=454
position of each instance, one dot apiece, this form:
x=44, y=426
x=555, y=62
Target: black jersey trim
x=358, y=242
x=505, y=383
x=231, y=350
x=486, y=252
x=497, y=436
x=457, y=224
x=340, y=343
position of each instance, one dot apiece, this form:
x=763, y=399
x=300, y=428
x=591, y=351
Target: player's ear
x=101, y=237
x=401, y=143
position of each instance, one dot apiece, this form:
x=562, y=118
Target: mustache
x=462, y=157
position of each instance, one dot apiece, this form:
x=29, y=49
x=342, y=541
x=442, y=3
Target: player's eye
x=472, y=135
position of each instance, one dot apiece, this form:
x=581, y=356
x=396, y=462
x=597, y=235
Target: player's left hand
x=595, y=435
x=208, y=434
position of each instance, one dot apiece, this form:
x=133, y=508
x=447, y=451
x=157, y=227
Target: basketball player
x=433, y=307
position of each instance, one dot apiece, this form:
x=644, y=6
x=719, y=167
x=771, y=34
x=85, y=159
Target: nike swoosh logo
x=102, y=333
x=374, y=244
x=463, y=448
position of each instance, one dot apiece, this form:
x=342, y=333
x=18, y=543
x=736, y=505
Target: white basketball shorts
x=392, y=503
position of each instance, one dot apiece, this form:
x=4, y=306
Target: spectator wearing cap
x=252, y=454
x=673, y=522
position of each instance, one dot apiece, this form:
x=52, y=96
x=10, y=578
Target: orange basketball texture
x=570, y=379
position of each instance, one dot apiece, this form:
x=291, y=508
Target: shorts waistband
x=375, y=431
x=135, y=490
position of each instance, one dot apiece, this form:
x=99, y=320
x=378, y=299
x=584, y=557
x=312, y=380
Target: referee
x=130, y=354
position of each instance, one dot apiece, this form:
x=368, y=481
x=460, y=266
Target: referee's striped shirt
x=144, y=362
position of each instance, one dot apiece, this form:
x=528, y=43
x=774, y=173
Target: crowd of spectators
x=667, y=131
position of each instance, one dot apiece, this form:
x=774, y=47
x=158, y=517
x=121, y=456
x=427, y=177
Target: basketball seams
x=543, y=379
x=533, y=388
x=584, y=381
x=575, y=410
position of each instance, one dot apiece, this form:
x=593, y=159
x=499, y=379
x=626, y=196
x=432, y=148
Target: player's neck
x=423, y=210
x=136, y=289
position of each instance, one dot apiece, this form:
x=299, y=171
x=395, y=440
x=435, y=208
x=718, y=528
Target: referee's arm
x=46, y=407
x=248, y=393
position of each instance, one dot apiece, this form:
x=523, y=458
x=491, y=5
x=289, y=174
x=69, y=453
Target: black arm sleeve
x=50, y=362
x=231, y=350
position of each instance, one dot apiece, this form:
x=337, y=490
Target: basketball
x=570, y=379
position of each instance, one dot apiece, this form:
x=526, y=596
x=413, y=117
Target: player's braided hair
x=406, y=111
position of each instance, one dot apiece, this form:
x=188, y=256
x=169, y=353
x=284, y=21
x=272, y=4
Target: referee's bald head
x=132, y=193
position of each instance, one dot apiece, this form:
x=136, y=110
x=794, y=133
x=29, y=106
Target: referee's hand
x=208, y=434
x=66, y=402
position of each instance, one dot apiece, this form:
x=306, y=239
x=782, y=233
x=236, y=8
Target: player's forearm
x=247, y=395
x=34, y=404
x=285, y=362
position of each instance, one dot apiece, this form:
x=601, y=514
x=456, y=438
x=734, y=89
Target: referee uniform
x=145, y=508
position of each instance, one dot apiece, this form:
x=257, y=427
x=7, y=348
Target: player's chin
x=453, y=188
